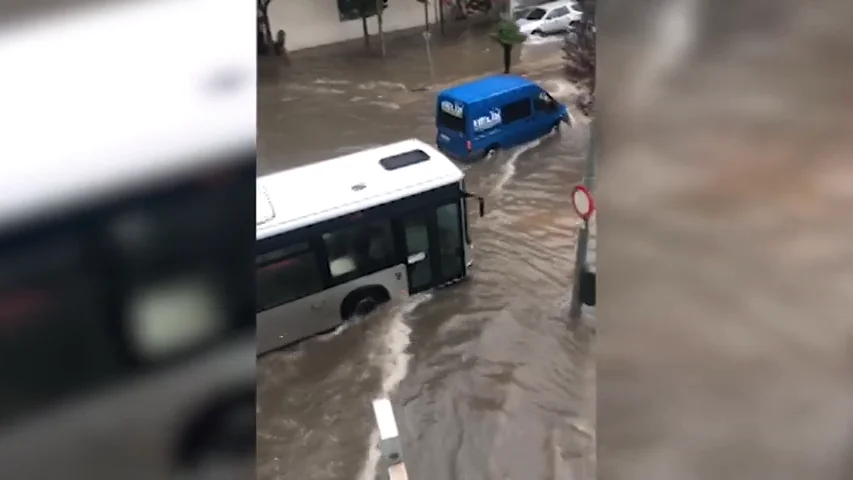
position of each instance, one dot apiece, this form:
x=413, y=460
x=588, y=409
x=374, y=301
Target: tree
x=579, y=51
x=508, y=36
x=364, y=9
x=265, y=40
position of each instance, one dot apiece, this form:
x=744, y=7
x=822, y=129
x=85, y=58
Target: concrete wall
x=311, y=23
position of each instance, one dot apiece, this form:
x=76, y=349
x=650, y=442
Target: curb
x=523, y=70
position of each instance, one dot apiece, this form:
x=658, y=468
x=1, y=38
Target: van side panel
x=483, y=115
x=506, y=133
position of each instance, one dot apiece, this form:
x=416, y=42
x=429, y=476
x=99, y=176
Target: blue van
x=498, y=111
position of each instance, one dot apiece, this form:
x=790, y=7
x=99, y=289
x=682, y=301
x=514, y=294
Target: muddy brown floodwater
x=486, y=379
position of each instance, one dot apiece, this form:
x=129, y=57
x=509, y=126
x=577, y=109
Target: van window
x=544, y=103
x=515, y=111
x=446, y=120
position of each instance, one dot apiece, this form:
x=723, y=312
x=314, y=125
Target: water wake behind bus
x=394, y=360
x=327, y=385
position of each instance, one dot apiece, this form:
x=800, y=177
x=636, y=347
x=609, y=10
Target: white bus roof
x=333, y=188
x=95, y=102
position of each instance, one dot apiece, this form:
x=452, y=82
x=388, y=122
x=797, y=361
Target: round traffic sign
x=583, y=202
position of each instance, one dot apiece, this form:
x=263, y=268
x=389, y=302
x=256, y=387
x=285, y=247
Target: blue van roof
x=485, y=87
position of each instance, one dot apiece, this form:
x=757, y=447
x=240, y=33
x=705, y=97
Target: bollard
x=390, y=449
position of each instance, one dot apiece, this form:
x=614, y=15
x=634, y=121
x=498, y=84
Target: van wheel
x=556, y=127
x=490, y=151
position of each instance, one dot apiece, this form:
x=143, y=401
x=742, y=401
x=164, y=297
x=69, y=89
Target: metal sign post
x=584, y=204
x=427, y=36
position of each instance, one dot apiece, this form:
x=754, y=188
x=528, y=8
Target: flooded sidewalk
x=461, y=52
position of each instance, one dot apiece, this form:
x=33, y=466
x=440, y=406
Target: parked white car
x=549, y=18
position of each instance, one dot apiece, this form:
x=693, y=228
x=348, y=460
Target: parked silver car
x=549, y=18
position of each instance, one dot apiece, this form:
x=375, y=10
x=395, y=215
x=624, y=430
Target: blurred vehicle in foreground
x=126, y=287
x=369, y=227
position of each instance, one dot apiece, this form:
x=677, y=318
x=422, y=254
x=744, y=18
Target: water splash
x=508, y=169
x=373, y=85
x=330, y=81
x=313, y=89
x=386, y=105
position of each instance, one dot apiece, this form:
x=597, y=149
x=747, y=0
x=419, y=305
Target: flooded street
x=486, y=378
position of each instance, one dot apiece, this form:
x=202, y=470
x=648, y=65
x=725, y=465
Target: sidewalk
x=527, y=69
x=464, y=54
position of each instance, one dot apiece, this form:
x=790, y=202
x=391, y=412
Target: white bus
x=127, y=346
x=339, y=237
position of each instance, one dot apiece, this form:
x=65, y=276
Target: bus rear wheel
x=224, y=432
x=365, y=306
x=363, y=302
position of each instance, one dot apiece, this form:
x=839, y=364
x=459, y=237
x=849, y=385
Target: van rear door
x=451, y=122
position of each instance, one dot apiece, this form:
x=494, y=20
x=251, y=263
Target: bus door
x=434, y=246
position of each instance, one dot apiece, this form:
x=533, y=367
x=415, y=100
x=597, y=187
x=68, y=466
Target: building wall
x=311, y=23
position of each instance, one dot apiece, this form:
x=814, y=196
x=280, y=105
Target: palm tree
x=508, y=36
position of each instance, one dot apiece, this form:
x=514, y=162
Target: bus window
x=285, y=277
x=360, y=250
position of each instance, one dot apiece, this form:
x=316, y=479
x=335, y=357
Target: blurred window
x=55, y=334
x=124, y=287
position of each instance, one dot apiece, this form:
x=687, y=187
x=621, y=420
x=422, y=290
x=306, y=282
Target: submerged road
x=486, y=379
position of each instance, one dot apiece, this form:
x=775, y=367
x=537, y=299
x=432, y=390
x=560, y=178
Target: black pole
x=507, y=56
